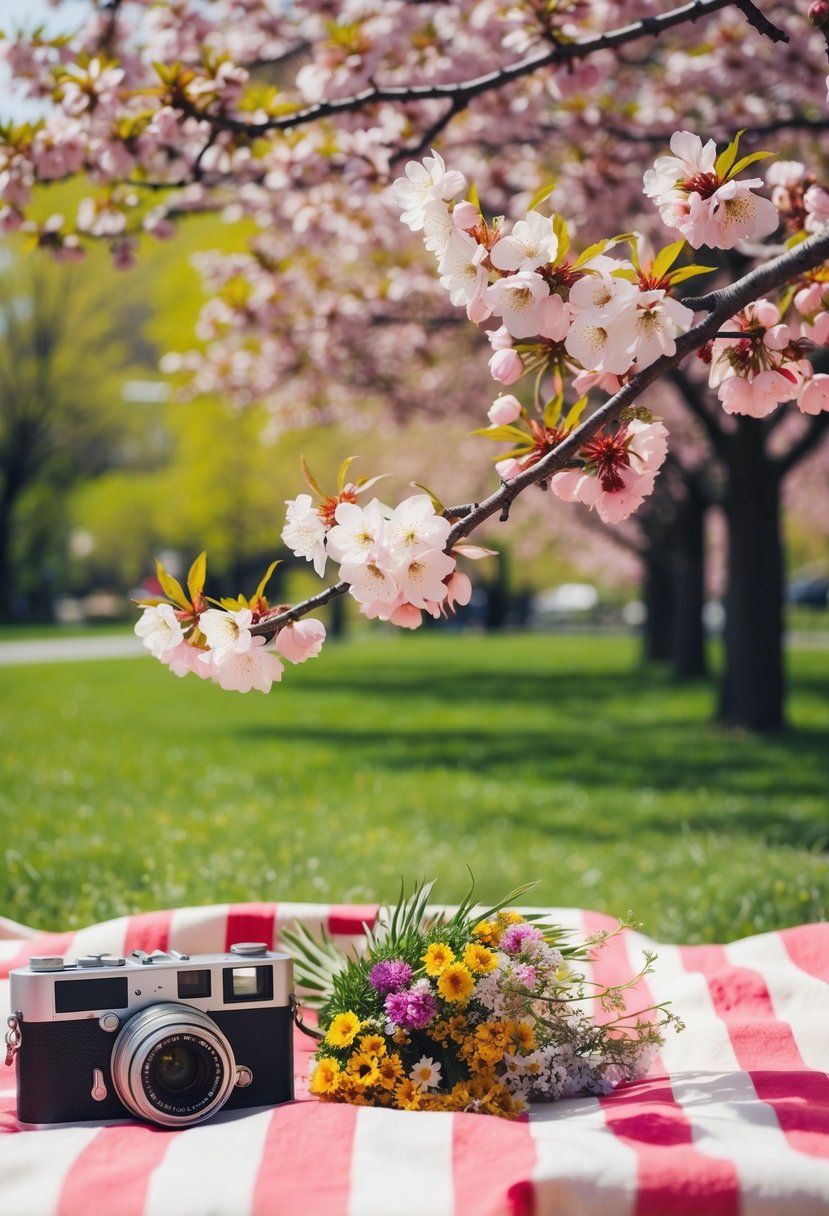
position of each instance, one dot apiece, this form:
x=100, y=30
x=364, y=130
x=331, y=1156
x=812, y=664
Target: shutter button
x=249, y=949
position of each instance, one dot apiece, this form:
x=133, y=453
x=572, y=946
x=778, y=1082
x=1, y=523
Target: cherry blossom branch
x=760, y=22
x=720, y=305
x=461, y=92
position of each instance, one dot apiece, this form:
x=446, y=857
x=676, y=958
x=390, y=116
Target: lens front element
x=172, y=1065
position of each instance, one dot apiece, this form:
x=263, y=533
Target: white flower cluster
x=533, y=985
x=606, y=321
x=394, y=560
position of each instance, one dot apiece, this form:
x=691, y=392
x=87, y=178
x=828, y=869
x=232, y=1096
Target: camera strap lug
x=13, y=1037
x=311, y=1031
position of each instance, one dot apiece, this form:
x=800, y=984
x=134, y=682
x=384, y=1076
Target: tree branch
x=721, y=304
x=461, y=93
x=760, y=22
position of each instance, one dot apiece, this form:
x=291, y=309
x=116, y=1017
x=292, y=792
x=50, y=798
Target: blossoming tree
x=317, y=124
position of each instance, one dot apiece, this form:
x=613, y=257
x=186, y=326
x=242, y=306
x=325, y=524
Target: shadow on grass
x=646, y=739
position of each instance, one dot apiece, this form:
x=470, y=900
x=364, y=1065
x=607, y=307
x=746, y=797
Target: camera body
x=163, y=1037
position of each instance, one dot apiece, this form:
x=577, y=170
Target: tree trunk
x=751, y=694
x=659, y=603
x=688, y=641
x=6, y=592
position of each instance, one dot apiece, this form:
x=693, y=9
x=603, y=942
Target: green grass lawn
x=524, y=757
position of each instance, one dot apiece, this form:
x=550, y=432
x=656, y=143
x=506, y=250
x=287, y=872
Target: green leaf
x=591, y=251
x=540, y=195
x=688, y=272
x=552, y=410
x=562, y=236
x=196, y=576
x=726, y=158
x=306, y=473
x=664, y=260
x=473, y=197
x=503, y=434
x=317, y=962
x=260, y=590
x=745, y=161
x=172, y=587
x=436, y=503
x=574, y=415
x=344, y=467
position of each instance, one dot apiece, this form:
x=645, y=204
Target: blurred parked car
x=808, y=592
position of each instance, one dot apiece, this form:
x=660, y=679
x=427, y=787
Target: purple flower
x=413, y=1009
x=517, y=937
x=390, y=975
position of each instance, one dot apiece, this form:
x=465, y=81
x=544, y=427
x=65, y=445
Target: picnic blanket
x=732, y=1121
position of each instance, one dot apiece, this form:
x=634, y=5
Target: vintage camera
x=162, y=1037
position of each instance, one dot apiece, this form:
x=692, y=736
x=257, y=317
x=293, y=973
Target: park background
x=545, y=734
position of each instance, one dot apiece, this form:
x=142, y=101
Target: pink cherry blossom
x=423, y=183
x=758, y=396
x=813, y=397
x=516, y=300
x=369, y=582
x=227, y=633
x=304, y=531
x=458, y=589
x=420, y=577
x=531, y=243
x=159, y=629
x=300, y=640
x=358, y=533
x=461, y=272
x=413, y=526
x=186, y=659
x=244, y=670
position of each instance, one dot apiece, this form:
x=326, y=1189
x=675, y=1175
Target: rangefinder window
x=248, y=984
x=193, y=983
x=78, y=996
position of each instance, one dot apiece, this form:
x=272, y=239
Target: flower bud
x=818, y=14
x=466, y=216
x=506, y=366
x=504, y=410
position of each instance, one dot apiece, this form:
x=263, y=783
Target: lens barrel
x=172, y=1065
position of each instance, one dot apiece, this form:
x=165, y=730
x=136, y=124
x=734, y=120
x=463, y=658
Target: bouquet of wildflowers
x=478, y=1011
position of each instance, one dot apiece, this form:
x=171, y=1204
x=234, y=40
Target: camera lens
x=172, y=1065
x=177, y=1068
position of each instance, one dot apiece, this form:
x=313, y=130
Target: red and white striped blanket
x=733, y=1120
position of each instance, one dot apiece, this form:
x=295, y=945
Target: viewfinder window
x=194, y=983
x=248, y=984
x=85, y=996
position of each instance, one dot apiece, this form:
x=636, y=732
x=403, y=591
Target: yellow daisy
x=437, y=957
x=363, y=1069
x=408, y=1095
x=456, y=983
x=390, y=1069
x=488, y=931
x=325, y=1078
x=523, y=1036
x=479, y=959
x=372, y=1044
x=343, y=1029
